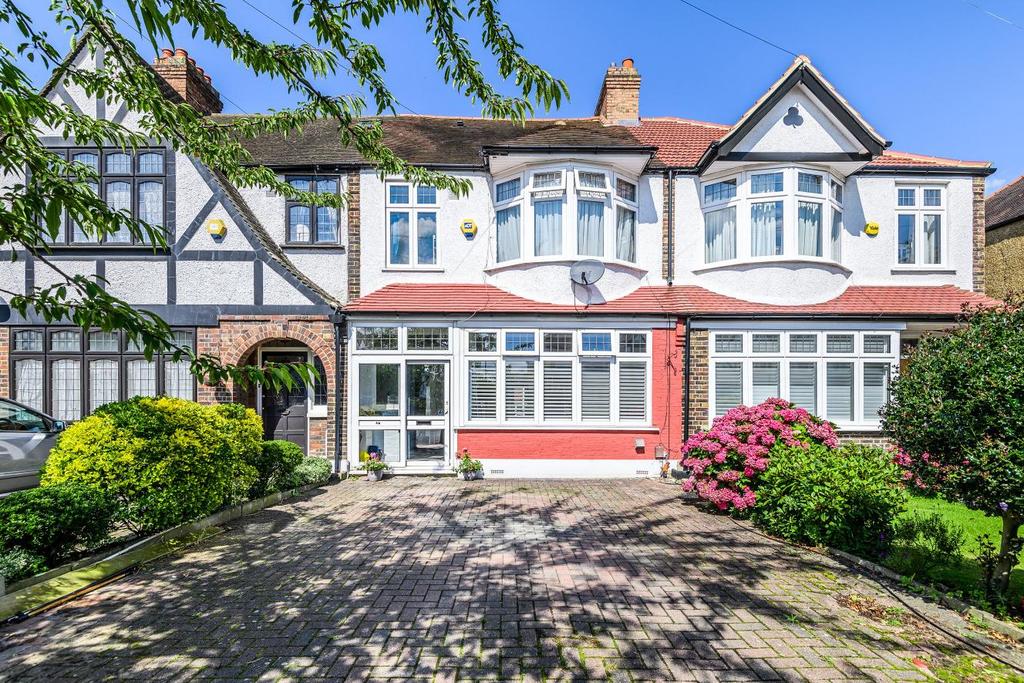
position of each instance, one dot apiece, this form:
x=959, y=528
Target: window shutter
x=558, y=390
x=876, y=389
x=519, y=390
x=728, y=386
x=483, y=390
x=840, y=391
x=596, y=388
x=766, y=382
x=633, y=392
x=803, y=386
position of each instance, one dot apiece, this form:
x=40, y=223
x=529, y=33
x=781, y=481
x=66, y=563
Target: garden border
x=986, y=619
x=34, y=593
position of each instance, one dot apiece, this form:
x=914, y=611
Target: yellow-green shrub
x=166, y=460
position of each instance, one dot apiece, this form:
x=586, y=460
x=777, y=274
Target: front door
x=284, y=409
x=426, y=413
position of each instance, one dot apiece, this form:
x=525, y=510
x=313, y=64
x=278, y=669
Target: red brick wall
x=237, y=341
x=595, y=443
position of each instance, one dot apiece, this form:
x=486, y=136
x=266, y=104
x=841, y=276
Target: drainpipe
x=686, y=382
x=671, y=226
x=339, y=375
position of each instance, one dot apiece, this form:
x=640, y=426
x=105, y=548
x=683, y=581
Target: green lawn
x=965, y=576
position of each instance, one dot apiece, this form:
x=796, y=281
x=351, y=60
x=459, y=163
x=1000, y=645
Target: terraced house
x=609, y=285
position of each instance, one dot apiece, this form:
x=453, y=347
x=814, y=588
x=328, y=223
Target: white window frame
x=790, y=196
x=570, y=193
x=919, y=211
x=413, y=208
x=858, y=357
x=576, y=358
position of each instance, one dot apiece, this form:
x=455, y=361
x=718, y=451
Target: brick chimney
x=619, y=101
x=181, y=73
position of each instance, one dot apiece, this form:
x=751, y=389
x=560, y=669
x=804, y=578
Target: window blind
x=728, y=386
x=519, y=390
x=632, y=391
x=558, y=390
x=596, y=390
x=483, y=390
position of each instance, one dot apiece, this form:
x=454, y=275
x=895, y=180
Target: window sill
x=937, y=269
x=411, y=269
x=560, y=260
x=773, y=260
x=295, y=246
x=858, y=427
x=105, y=248
x=546, y=427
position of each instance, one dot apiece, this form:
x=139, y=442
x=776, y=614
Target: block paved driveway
x=440, y=579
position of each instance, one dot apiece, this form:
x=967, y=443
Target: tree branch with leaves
x=46, y=187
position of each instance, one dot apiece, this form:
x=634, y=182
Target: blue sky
x=936, y=77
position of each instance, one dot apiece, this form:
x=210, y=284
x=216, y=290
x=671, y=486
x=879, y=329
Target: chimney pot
x=188, y=79
x=619, y=101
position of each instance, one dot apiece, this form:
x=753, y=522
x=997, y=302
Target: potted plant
x=469, y=468
x=375, y=467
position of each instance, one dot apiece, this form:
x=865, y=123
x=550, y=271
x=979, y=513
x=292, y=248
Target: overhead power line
x=305, y=42
x=738, y=28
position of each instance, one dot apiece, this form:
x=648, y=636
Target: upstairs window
x=920, y=216
x=129, y=182
x=312, y=224
x=412, y=226
x=532, y=223
x=773, y=213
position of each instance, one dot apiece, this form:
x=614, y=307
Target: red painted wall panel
x=598, y=444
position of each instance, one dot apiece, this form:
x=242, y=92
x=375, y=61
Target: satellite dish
x=586, y=272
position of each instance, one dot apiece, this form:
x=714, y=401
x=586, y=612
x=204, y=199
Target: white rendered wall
x=464, y=261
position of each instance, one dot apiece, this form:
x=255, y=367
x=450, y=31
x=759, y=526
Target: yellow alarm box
x=469, y=228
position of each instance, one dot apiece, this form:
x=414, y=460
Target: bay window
x=772, y=213
x=842, y=376
x=412, y=226
x=531, y=211
x=67, y=374
x=558, y=377
x=920, y=214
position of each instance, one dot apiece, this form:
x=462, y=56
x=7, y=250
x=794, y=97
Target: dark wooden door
x=284, y=410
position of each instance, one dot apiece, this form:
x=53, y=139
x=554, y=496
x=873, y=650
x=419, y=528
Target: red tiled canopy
x=872, y=301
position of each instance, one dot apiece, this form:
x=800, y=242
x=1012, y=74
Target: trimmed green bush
x=17, y=564
x=846, y=498
x=165, y=460
x=55, y=521
x=274, y=464
x=312, y=470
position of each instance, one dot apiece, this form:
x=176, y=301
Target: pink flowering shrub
x=726, y=460
x=923, y=473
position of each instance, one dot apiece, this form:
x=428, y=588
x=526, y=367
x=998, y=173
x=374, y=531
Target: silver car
x=26, y=437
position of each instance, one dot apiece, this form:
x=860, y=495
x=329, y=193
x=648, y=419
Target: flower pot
x=471, y=476
x=375, y=475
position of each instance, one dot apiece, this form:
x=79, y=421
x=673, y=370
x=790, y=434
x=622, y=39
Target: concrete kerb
x=981, y=617
x=35, y=592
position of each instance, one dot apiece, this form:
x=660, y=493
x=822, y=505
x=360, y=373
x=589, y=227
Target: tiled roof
x=1005, y=205
x=945, y=300
x=893, y=158
x=461, y=141
x=680, y=142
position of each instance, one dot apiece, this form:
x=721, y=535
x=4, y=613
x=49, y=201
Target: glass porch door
x=403, y=411
x=426, y=392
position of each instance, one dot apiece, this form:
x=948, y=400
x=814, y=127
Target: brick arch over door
x=237, y=341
